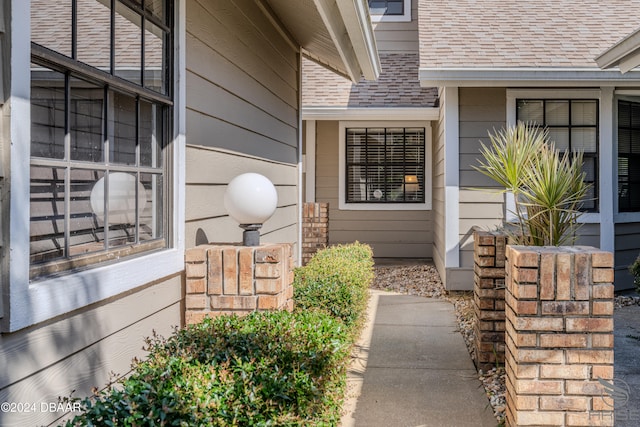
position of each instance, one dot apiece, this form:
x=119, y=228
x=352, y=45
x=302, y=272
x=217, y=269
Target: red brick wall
x=488, y=297
x=223, y=279
x=559, y=335
x=315, y=229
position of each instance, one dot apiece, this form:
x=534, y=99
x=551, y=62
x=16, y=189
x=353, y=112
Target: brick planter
x=559, y=335
x=315, y=229
x=227, y=278
x=488, y=297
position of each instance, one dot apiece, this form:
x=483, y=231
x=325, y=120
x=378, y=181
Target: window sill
x=343, y=206
x=626, y=217
x=51, y=297
x=90, y=260
x=390, y=18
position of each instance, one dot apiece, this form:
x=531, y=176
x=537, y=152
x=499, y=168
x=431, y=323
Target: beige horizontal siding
x=242, y=82
x=394, y=234
x=481, y=110
x=398, y=36
x=627, y=244
x=207, y=218
x=51, y=360
x=242, y=116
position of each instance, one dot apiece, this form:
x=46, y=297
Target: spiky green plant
x=547, y=183
x=508, y=158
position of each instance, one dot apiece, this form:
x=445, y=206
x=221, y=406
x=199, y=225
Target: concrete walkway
x=414, y=369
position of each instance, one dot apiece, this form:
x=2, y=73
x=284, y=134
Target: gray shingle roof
x=521, y=33
x=397, y=86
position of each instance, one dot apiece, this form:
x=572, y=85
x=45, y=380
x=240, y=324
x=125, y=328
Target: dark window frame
x=111, y=85
x=419, y=197
x=625, y=204
x=386, y=13
x=586, y=155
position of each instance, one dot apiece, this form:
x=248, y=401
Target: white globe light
x=122, y=198
x=250, y=198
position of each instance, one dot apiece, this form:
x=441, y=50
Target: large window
x=385, y=165
x=628, y=156
x=100, y=124
x=573, y=126
x=390, y=10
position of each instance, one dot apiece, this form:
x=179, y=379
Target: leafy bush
x=336, y=281
x=265, y=369
x=635, y=271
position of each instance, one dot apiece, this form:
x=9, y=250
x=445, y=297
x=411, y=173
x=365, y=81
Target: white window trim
x=342, y=194
x=634, y=96
x=32, y=303
x=405, y=17
x=513, y=94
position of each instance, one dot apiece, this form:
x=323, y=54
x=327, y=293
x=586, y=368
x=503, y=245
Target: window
x=384, y=167
x=628, y=156
x=573, y=125
x=101, y=115
x=390, y=10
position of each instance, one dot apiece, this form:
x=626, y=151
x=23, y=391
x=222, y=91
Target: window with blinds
x=628, y=156
x=385, y=165
x=573, y=126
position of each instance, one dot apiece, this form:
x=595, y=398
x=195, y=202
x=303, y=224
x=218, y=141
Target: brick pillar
x=559, y=335
x=227, y=278
x=488, y=296
x=315, y=229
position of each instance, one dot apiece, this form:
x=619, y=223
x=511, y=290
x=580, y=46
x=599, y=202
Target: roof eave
x=350, y=29
x=625, y=54
x=370, y=113
x=524, y=76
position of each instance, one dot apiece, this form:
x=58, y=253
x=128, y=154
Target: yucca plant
x=547, y=183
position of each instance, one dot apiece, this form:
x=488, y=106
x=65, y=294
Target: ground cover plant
x=265, y=369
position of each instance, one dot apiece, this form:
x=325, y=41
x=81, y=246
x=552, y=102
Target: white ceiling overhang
x=625, y=54
x=334, y=33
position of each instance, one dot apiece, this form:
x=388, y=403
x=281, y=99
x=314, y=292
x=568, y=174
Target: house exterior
x=492, y=63
x=381, y=196
x=122, y=123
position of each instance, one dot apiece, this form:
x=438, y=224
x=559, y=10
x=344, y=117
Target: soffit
x=330, y=37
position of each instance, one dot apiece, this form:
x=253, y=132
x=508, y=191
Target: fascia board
x=529, y=76
x=629, y=46
x=355, y=14
x=333, y=21
x=346, y=113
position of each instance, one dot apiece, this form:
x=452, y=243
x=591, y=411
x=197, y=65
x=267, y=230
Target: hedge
x=264, y=369
x=336, y=281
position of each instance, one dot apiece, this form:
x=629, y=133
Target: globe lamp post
x=250, y=199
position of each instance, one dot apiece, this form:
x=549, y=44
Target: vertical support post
x=559, y=336
x=488, y=296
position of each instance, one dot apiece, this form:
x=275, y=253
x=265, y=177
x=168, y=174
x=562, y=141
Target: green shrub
x=265, y=369
x=635, y=271
x=336, y=281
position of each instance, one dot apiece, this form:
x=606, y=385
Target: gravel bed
x=424, y=280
